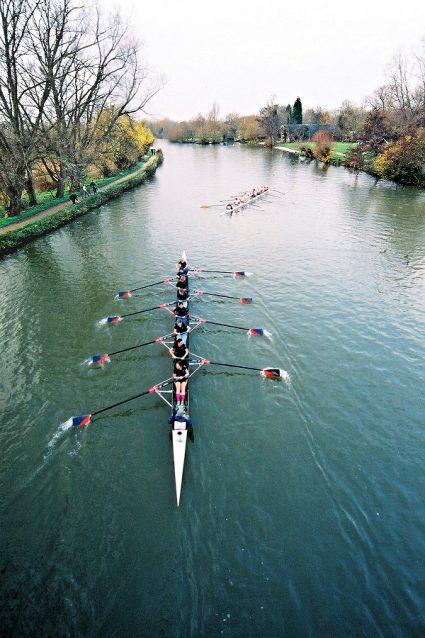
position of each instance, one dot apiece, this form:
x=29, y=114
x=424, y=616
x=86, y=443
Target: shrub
x=404, y=161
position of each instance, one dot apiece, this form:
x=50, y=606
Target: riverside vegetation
x=385, y=136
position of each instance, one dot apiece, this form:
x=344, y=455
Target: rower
x=182, y=283
x=181, y=329
x=180, y=378
x=181, y=311
x=182, y=267
x=179, y=350
x=182, y=295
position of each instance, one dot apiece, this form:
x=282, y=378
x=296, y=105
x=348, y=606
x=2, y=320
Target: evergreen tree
x=288, y=112
x=297, y=112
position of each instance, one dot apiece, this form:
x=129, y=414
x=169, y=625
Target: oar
x=105, y=358
x=271, y=373
x=244, y=300
x=79, y=421
x=117, y=318
x=255, y=332
x=211, y=206
x=275, y=189
x=125, y=294
x=237, y=273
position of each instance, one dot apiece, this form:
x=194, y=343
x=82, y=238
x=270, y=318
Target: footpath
x=50, y=211
x=21, y=232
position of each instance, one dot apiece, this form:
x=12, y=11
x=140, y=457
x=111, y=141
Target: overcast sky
x=239, y=53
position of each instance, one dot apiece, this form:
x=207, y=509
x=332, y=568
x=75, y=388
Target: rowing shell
x=251, y=201
x=179, y=432
x=179, y=453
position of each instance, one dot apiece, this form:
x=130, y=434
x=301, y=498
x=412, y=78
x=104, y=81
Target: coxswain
x=181, y=311
x=180, y=378
x=181, y=329
x=181, y=421
x=179, y=350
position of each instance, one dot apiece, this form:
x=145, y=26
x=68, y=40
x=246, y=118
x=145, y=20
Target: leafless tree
x=92, y=67
x=19, y=120
x=61, y=68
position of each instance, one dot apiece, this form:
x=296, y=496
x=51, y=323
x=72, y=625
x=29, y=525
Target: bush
x=404, y=161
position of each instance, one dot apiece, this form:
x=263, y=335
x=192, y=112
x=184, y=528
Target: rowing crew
x=246, y=197
x=179, y=351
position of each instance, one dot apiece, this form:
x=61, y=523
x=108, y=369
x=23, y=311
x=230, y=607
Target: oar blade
x=242, y=273
x=246, y=300
x=79, y=421
x=275, y=373
x=123, y=294
x=99, y=359
x=259, y=332
x=110, y=320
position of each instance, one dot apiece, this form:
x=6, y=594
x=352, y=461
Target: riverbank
x=338, y=150
x=20, y=233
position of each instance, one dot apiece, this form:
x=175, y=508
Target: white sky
x=239, y=53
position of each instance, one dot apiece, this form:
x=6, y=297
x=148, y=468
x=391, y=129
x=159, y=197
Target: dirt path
x=49, y=211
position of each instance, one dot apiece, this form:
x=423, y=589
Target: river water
x=302, y=509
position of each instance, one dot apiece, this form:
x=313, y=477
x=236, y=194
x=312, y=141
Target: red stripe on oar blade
x=123, y=294
x=113, y=319
x=80, y=421
x=275, y=373
x=246, y=300
x=271, y=373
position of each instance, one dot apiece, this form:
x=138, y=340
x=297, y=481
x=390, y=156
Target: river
x=302, y=503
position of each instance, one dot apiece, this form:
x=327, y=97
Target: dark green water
x=302, y=510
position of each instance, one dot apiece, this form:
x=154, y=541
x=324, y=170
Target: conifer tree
x=297, y=112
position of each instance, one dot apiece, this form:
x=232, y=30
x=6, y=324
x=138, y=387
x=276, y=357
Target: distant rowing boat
x=243, y=204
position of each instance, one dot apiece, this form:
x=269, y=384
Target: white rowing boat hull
x=179, y=453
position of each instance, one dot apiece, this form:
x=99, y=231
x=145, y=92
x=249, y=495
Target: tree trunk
x=14, y=201
x=60, y=189
x=29, y=187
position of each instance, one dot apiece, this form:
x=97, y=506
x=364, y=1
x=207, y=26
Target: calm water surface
x=302, y=510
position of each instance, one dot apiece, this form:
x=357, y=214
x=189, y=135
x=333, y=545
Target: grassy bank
x=10, y=241
x=338, y=149
x=47, y=200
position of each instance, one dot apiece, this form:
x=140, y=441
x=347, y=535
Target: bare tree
x=92, y=67
x=270, y=121
x=19, y=119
